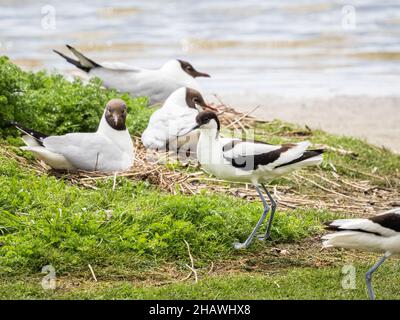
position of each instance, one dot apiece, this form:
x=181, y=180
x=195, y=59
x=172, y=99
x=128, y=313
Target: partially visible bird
x=250, y=162
x=380, y=233
x=156, y=84
x=177, y=115
x=109, y=149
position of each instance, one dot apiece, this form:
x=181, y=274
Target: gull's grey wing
x=138, y=82
x=86, y=151
x=165, y=125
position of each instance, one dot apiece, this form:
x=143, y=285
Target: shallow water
x=314, y=48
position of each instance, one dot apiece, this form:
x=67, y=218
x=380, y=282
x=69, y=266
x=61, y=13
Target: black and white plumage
x=156, y=84
x=177, y=115
x=30, y=137
x=380, y=233
x=109, y=149
x=250, y=162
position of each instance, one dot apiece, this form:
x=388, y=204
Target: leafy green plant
x=51, y=104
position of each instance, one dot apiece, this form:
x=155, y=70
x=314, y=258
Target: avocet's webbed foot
x=239, y=245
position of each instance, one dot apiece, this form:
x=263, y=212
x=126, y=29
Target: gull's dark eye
x=195, y=100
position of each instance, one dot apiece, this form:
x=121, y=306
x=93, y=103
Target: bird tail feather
x=305, y=158
x=55, y=160
x=30, y=137
x=83, y=62
x=353, y=240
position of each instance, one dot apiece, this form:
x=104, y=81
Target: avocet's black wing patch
x=385, y=225
x=306, y=155
x=252, y=159
x=331, y=227
x=388, y=220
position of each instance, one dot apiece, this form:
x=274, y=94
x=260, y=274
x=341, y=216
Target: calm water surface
x=282, y=47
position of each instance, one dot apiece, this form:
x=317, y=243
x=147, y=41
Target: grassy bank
x=138, y=237
x=305, y=283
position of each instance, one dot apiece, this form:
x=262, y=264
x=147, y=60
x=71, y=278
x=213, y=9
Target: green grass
x=47, y=221
x=296, y=283
x=131, y=233
x=379, y=165
x=135, y=229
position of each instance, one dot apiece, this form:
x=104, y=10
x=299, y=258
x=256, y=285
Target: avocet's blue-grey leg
x=239, y=245
x=272, y=214
x=368, y=275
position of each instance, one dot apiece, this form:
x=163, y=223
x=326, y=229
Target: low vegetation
x=138, y=237
x=51, y=104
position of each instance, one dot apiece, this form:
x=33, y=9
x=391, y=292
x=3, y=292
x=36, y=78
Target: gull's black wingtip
x=59, y=53
x=10, y=123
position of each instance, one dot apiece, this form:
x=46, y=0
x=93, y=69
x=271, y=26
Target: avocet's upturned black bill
x=377, y=234
x=250, y=162
x=109, y=149
x=156, y=84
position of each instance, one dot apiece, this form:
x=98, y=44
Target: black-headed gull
x=177, y=115
x=109, y=149
x=380, y=233
x=156, y=84
x=250, y=162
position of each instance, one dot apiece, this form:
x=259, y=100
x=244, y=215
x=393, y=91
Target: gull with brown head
x=109, y=149
x=155, y=84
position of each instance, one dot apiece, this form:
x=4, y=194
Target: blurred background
x=328, y=64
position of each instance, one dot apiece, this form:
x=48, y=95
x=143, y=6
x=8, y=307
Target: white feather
x=216, y=161
x=30, y=141
x=155, y=84
x=106, y=150
x=365, y=234
x=170, y=121
x=362, y=241
x=54, y=160
x=248, y=148
x=292, y=154
x=353, y=240
x=363, y=224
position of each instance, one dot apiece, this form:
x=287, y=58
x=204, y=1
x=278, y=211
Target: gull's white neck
x=175, y=105
x=173, y=70
x=177, y=100
x=119, y=137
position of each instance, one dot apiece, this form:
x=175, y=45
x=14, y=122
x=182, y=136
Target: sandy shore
x=376, y=119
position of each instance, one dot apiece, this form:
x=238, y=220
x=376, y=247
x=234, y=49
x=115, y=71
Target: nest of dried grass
x=320, y=189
